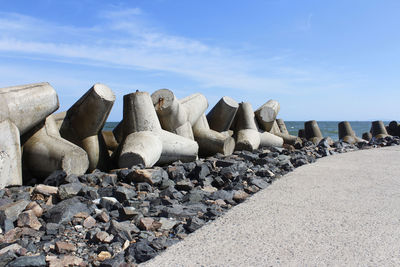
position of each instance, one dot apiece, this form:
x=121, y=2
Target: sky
x=322, y=60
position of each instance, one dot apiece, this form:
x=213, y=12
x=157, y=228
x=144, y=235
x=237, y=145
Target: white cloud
x=123, y=39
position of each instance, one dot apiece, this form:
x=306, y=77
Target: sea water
x=328, y=128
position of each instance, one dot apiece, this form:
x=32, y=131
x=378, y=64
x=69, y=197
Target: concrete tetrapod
x=10, y=154
x=27, y=105
x=312, y=131
x=59, y=118
x=140, y=148
x=269, y=139
x=118, y=132
x=301, y=133
x=211, y=142
x=140, y=116
x=275, y=128
x=110, y=141
x=394, y=128
x=83, y=123
x=266, y=114
x=46, y=151
x=347, y=134
x=284, y=133
x=367, y=136
x=171, y=113
x=246, y=131
x=221, y=116
x=195, y=105
x=378, y=129
x=22, y=107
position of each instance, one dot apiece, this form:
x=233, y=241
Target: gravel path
x=342, y=210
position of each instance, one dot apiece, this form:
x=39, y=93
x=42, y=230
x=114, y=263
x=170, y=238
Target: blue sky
x=323, y=60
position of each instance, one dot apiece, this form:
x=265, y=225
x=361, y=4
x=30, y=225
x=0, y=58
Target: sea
x=328, y=128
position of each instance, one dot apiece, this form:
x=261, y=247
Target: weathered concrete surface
x=313, y=133
x=143, y=147
x=139, y=116
x=172, y=114
x=247, y=135
x=83, y=123
x=212, y=142
x=221, y=116
x=269, y=139
x=266, y=114
x=46, y=151
x=378, y=129
x=341, y=211
x=10, y=154
x=347, y=134
x=27, y=105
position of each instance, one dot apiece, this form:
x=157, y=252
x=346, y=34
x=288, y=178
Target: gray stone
x=11, y=211
x=69, y=190
x=29, y=261
x=122, y=193
x=193, y=224
x=142, y=251
x=110, y=203
x=64, y=211
x=123, y=229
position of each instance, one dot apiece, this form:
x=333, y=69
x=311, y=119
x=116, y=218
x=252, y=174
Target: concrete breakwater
x=97, y=197
x=156, y=129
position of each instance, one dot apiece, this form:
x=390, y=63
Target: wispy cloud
x=123, y=38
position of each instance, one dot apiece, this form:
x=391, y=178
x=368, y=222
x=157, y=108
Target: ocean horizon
x=328, y=128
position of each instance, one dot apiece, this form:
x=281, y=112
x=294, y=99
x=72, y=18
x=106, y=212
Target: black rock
x=299, y=162
x=194, y=196
x=225, y=162
x=145, y=187
x=228, y=173
x=159, y=243
x=6, y=258
x=142, y=251
x=222, y=194
x=108, y=179
x=247, y=155
x=172, y=193
x=106, y=191
x=29, y=261
x=200, y=172
x=122, y=193
x=176, y=173
x=56, y=178
x=116, y=261
x=265, y=172
x=124, y=229
x=52, y=228
x=189, y=166
x=64, y=211
x=193, y=224
x=69, y=190
x=122, y=174
x=7, y=225
x=184, y=185
x=72, y=178
x=110, y=203
x=218, y=182
x=89, y=193
x=10, y=211
x=277, y=149
x=260, y=183
x=165, y=183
